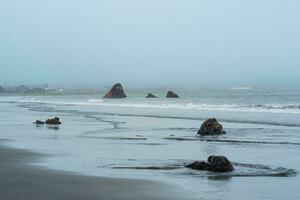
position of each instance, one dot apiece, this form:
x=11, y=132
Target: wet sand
x=22, y=181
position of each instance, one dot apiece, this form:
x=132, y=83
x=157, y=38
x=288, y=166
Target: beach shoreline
x=142, y=151
x=21, y=180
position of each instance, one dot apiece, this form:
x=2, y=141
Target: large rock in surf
x=53, y=121
x=116, y=92
x=151, y=96
x=211, y=127
x=219, y=164
x=171, y=94
x=213, y=164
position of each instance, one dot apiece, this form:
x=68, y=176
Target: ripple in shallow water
x=241, y=170
x=229, y=141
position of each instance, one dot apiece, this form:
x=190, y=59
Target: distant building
x=37, y=90
x=28, y=89
x=21, y=88
x=25, y=89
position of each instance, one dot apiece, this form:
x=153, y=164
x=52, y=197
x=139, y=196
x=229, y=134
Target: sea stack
x=211, y=127
x=151, y=96
x=171, y=94
x=116, y=92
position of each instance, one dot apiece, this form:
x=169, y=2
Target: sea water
x=154, y=138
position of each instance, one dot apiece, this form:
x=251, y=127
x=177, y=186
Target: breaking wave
x=37, y=103
x=47, y=108
x=162, y=104
x=268, y=108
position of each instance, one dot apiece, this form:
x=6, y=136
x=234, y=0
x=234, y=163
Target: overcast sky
x=150, y=43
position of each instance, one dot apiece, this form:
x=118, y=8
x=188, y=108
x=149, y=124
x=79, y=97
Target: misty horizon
x=169, y=44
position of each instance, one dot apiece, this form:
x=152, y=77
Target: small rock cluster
x=53, y=121
x=213, y=164
x=117, y=92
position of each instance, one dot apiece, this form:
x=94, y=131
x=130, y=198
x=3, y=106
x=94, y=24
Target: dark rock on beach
x=211, y=127
x=54, y=121
x=38, y=122
x=171, y=94
x=213, y=164
x=116, y=92
x=151, y=96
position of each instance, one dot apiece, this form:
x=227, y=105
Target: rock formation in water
x=219, y=164
x=171, y=94
x=213, y=164
x=211, y=127
x=116, y=92
x=38, y=122
x=199, y=165
x=53, y=121
x=151, y=96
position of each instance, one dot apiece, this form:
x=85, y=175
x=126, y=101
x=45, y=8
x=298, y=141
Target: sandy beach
x=22, y=181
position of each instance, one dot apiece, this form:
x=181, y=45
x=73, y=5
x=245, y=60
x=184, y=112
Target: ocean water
x=154, y=138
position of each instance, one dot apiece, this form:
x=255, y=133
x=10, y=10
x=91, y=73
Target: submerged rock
x=211, y=127
x=53, y=121
x=199, y=165
x=38, y=122
x=213, y=164
x=116, y=92
x=171, y=94
x=151, y=96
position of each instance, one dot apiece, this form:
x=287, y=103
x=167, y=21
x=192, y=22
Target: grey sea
x=152, y=139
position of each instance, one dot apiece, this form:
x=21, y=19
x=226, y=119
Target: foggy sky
x=150, y=43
